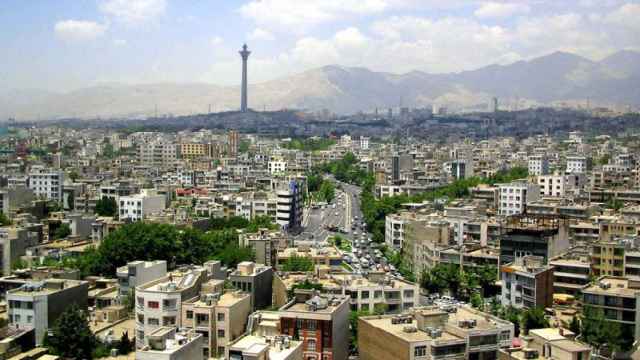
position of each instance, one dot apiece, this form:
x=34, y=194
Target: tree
x=477, y=301
x=597, y=331
x=106, y=206
x=298, y=263
x=73, y=175
x=574, y=325
x=62, y=231
x=534, y=319
x=353, y=326
x=71, y=336
x=4, y=220
x=327, y=191
x=125, y=345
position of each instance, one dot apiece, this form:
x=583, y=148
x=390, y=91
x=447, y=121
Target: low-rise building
x=265, y=244
x=219, y=318
x=324, y=256
x=37, y=305
x=431, y=333
x=527, y=283
x=514, y=196
x=159, y=302
x=138, y=207
x=256, y=280
x=138, y=273
x=619, y=299
x=166, y=343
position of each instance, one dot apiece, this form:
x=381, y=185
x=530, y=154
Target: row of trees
x=309, y=144
x=461, y=283
x=145, y=241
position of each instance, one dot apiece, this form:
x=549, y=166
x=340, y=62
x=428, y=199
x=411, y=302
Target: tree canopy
x=106, y=206
x=71, y=336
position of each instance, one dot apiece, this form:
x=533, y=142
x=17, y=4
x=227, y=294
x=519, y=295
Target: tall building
x=364, y=143
x=289, y=210
x=255, y=280
x=47, y=184
x=234, y=143
x=245, y=56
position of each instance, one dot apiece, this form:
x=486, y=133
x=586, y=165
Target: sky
x=64, y=45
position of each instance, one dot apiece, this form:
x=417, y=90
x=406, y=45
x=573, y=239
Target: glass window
x=420, y=351
x=220, y=333
x=153, y=304
x=220, y=316
x=311, y=345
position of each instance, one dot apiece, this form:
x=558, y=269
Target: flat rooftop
x=616, y=286
x=384, y=323
x=255, y=344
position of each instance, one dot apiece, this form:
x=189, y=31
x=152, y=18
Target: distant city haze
x=129, y=57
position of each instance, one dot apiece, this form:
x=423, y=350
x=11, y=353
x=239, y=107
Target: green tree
x=477, y=301
x=597, y=331
x=298, y=263
x=534, y=319
x=125, y=346
x=71, y=336
x=73, y=175
x=106, y=206
x=4, y=220
x=353, y=327
x=574, y=325
x=327, y=191
x=62, y=232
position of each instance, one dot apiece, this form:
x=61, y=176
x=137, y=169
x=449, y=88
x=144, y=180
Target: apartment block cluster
x=566, y=231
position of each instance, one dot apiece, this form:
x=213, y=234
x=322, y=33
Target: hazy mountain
x=558, y=77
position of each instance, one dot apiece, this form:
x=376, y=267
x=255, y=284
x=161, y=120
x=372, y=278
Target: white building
x=576, y=164
x=538, y=165
x=166, y=343
x=394, y=230
x=364, y=143
x=137, y=207
x=558, y=185
x=47, y=184
x=277, y=166
x=138, y=273
x=527, y=283
x=462, y=169
x=514, y=196
x=159, y=302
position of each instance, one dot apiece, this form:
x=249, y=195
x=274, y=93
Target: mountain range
x=557, y=78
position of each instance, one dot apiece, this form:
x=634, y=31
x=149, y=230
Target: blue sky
x=64, y=45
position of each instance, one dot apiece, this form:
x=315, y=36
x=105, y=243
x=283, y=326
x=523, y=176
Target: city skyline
x=154, y=41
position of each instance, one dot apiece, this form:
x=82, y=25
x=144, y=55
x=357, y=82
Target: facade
x=234, y=142
x=527, y=283
x=195, y=150
x=219, y=318
x=157, y=153
x=570, y=274
x=323, y=256
x=461, y=169
x=159, y=302
x=558, y=185
x=431, y=333
x=256, y=280
x=47, y=184
x=530, y=236
x=619, y=299
x=265, y=244
x=289, y=210
x=138, y=207
x=538, y=165
x=37, y=305
x=364, y=143
x=576, y=164
x=277, y=167
x=138, y=273
x=320, y=322
x=548, y=343
x=515, y=195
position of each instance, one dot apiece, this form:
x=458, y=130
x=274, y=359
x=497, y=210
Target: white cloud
x=133, y=11
x=215, y=41
x=259, y=34
x=627, y=15
x=494, y=9
x=79, y=30
x=119, y=42
x=297, y=14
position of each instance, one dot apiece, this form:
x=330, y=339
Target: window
x=29, y=319
x=189, y=314
x=16, y=318
x=168, y=320
x=153, y=304
x=220, y=316
x=311, y=345
x=311, y=325
x=220, y=333
x=420, y=351
x=153, y=321
x=141, y=318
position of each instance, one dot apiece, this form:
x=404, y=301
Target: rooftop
x=252, y=344
x=399, y=330
x=46, y=287
x=611, y=285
